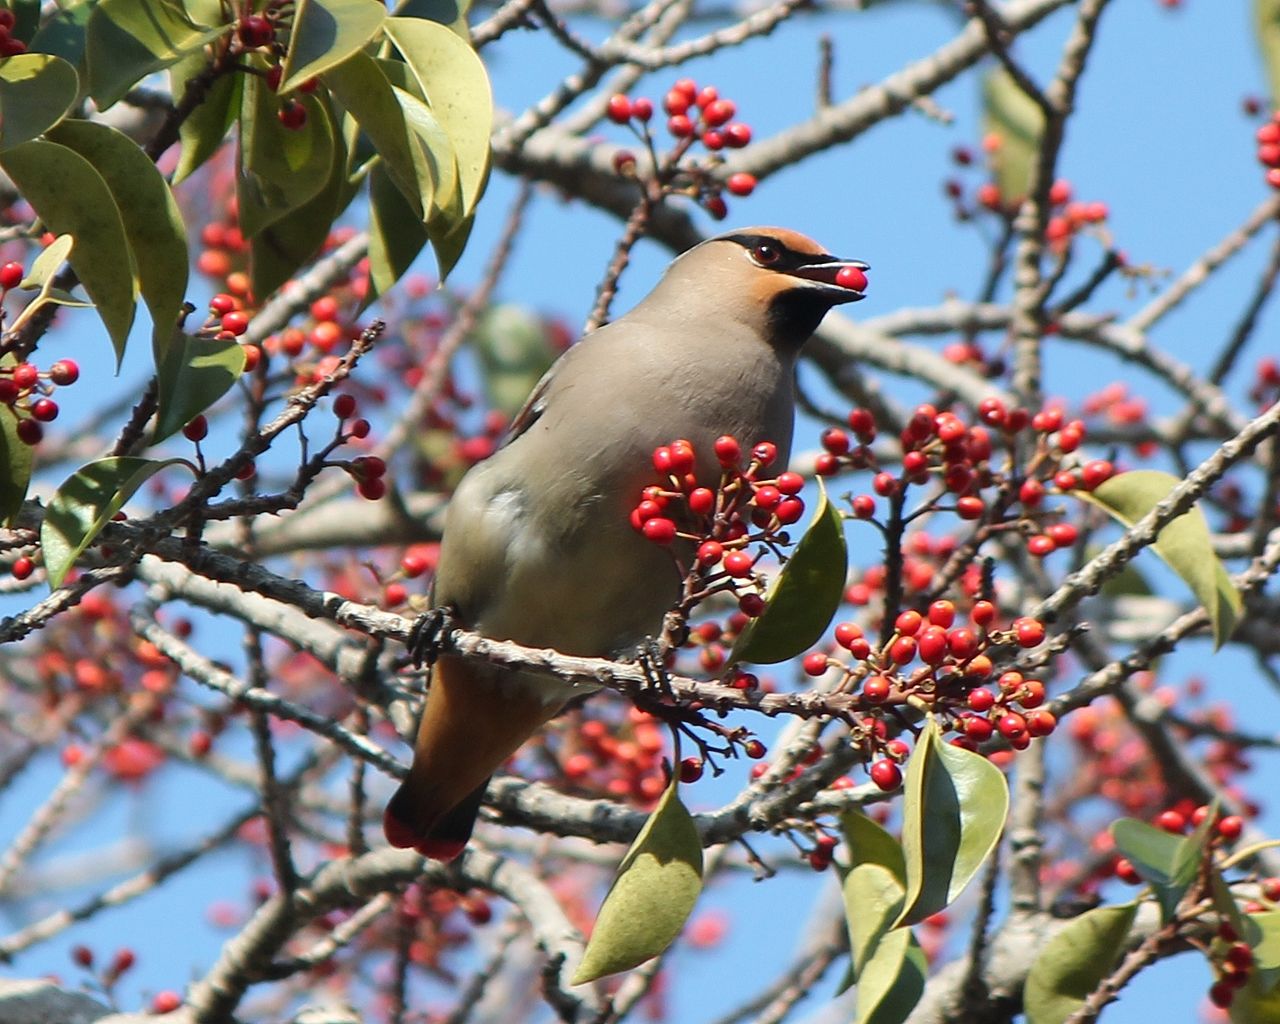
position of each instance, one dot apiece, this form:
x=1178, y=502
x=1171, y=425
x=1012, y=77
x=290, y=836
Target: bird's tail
x=476, y=716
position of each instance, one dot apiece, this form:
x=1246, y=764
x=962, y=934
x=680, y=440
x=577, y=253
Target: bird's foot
x=652, y=658
x=426, y=635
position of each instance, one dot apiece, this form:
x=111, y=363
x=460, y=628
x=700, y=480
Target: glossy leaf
x=192, y=374
x=867, y=842
x=432, y=152
x=656, y=887
x=325, y=33
x=71, y=198
x=1074, y=962
x=36, y=91
x=396, y=235
x=1013, y=117
x=84, y=503
x=805, y=594
x=154, y=225
x=896, y=1004
x=1185, y=545
x=129, y=39
x=873, y=897
x=457, y=88
x=279, y=170
x=15, y=463
x=449, y=244
x=46, y=265
x=63, y=33
x=1266, y=14
x=362, y=87
x=447, y=12
x=1168, y=862
x=279, y=250
x=206, y=127
x=952, y=815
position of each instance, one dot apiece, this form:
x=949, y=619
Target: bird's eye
x=766, y=254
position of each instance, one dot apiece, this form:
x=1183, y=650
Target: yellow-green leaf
x=72, y=198
x=432, y=151
x=448, y=242
x=804, y=596
x=1266, y=14
x=457, y=89
x=396, y=235
x=360, y=85
x=892, y=984
x=153, y=223
x=63, y=33
x=36, y=91
x=206, y=127
x=1013, y=117
x=279, y=170
x=47, y=263
x=130, y=39
x=448, y=12
x=325, y=33
x=84, y=504
x=953, y=811
x=1074, y=962
x=15, y=463
x=1169, y=862
x=192, y=374
x=657, y=885
x=1186, y=544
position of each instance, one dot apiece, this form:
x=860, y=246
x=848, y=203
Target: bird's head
x=774, y=278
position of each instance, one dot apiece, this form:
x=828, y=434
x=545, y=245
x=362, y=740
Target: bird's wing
x=534, y=406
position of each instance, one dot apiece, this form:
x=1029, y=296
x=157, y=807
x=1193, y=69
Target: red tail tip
x=441, y=849
x=397, y=832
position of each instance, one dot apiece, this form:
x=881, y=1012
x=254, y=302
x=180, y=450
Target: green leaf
x=1266, y=14
x=515, y=350
x=1186, y=544
x=15, y=463
x=447, y=12
x=130, y=39
x=154, y=225
x=868, y=843
x=71, y=198
x=432, y=151
x=192, y=374
x=84, y=503
x=47, y=263
x=457, y=88
x=396, y=235
x=872, y=902
x=448, y=244
x=1074, y=962
x=63, y=33
x=36, y=91
x=277, y=251
x=206, y=127
x=896, y=1004
x=360, y=85
x=657, y=885
x=952, y=816
x=279, y=170
x=804, y=596
x=1168, y=862
x=1256, y=1003
x=1013, y=117
x=325, y=33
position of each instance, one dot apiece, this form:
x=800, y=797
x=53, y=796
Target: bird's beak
x=840, y=280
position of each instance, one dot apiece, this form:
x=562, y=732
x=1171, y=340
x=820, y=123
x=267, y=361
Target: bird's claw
x=426, y=635
x=652, y=660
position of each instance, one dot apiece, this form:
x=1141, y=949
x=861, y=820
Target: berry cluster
x=722, y=525
x=1268, y=138
x=620, y=759
x=266, y=32
x=9, y=45
x=693, y=115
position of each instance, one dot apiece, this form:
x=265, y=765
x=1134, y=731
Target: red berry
x=741, y=184
x=619, y=109
x=963, y=643
x=970, y=507
x=983, y=613
x=764, y=453
x=754, y=749
x=876, y=689
x=1041, y=545
x=853, y=278
x=815, y=663
x=1231, y=827
x=344, y=406
x=222, y=304
x=932, y=645
x=884, y=484
x=687, y=88
x=82, y=956
x=728, y=450
x=718, y=112
x=691, y=769
x=738, y=564
x=886, y=774
x=978, y=729
x=1095, y=473
x=22, y=567
x=1063, y=535
x=659, y=530
x=847, y=633
x=293, y=115
x=197, y=429
x=1011, y=725
x=1031, y=493
x=45, y=410
x=751, y=605
x=165, y=1002
x=1041, y=723
x=26, y=376
x=680, y=126
x=980, y=700
x=1171, y=821
x=942, y=613
x=862, y=423
x=30, y=432
x=736, y=135
x=274, y=74
x=1030, y=632
x=256, y=31
x=864, y=506
x=235, y=322
x=372, y=489
x=642, y=108
x=710, y=552
x=11, y=275
x=902, y=650
x=1126, y=872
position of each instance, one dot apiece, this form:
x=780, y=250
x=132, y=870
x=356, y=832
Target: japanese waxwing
x=538, y=546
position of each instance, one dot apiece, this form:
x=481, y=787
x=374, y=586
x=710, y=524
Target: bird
x=537, y=545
